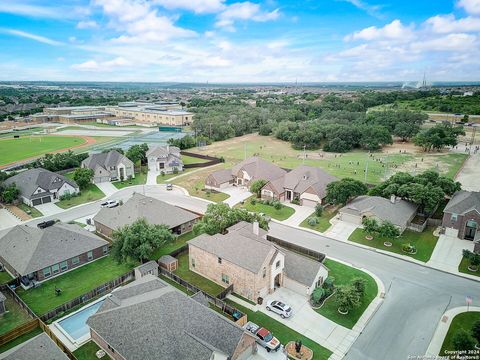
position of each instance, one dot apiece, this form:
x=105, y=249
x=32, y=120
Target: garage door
x=101, y=179
x=354, y=219
x=307, y=202
x=41, y=201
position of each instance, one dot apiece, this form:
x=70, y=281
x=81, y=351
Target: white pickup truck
x=263, y=337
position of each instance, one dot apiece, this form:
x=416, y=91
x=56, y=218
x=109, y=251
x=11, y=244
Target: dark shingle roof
x=37, y=348
x=301, y=268
x=257, y=168
x=462, y=202
x=222, y=176
x=105, y=160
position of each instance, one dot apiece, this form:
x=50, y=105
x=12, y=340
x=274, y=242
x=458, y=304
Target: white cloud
x=246, y=11
x=27, y=35
x=372, y=10
x=393, y=31
x=470, y=6
x=444, y=24
x=197, y=6
x=97, y=66
x=87, y=24
x=18, y=7
x=450, y=42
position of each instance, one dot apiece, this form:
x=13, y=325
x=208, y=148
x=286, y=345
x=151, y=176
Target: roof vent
x=305, y=177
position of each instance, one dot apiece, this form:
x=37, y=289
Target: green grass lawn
x=167, y=249
x=73, y=284
x=139, y=179
x=91, y=193
x=461, y=321
x=26, y=147
x=21, y=339
x=195, y=279
x=161, y=179
x=323, y=221
x=5, y=277
x=187, y=160
x=343, y=275
x=284, y=213
x=424, y=241
x=15, y=315
x=282, y=332
x=33, y=212
x=463, y=267
x=87, y=352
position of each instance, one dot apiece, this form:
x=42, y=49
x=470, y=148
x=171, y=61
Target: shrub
x=296, y=201
x=175, y=170
x=328, y=283
x=318, y=295
x=253, y=201
x=388, y=230
x=476, y=331
x=462, y=341
x=347, y=298
x=312, y=221
x=318, y=210
x=370, y=225
x=409, y=248
x=277, y=205
x=162, y=173
x=359, y=285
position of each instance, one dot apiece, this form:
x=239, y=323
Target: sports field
x=12, y=150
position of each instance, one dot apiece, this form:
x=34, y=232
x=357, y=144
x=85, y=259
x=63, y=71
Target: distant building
x=154, y=113
x=109, y=166
x=164, y=158
x=72, y=114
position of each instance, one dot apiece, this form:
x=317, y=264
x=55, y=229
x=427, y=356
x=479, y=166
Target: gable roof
x=28, y=249
x=463, y=202
x=222, y=176
x=39, y=347
x=397, y=213
x=163, y=151
x=154, y=211
x=239, y=246
x=106, y=160
x=149, y=319
x=304, y=177
x=257, y=168
x=301, y=268
x=28, y=181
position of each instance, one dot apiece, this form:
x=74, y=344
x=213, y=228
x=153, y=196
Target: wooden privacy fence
x=8, y=290
x=99, y=291
x=297, y=248
x=211, y=160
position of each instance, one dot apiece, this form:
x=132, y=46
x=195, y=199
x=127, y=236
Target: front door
x=289, y=195
x=470, y=229
x=277, y=281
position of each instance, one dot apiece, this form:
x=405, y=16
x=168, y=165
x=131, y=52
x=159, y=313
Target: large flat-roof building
x=154, y=113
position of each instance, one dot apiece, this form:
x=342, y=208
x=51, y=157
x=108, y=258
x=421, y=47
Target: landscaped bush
x=321, y=293
x=463, y=341
x=277, y=205
x=312, y=221
x=473, y=258
x=409, y=248
x=68, y=196
x=253, y=201
x=296, y=201
x=318, y=210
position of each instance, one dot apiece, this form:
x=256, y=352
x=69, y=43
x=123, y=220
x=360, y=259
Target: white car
x=169, y=186
x=280, y=308
x=109, y=204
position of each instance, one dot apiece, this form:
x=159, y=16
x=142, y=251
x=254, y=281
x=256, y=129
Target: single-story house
x=3, y=298
x=398, y=211
x=109, y=166
x=461, y=216
x=219, y=179
x=35, y=254
x=149, y=319
x=164, y=158
x=154, y=211
x=39, y=186
x=307, y=184
x=255, y=266
x=36, y=348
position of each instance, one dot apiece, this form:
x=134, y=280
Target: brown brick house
x=139, y=206
x=38, y=254
x=461, y=216
x=255, y=266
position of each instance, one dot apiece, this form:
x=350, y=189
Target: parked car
x=45, y=224
x=280, y=308
x=169, y=187
x=263, y=337
x=110, y=204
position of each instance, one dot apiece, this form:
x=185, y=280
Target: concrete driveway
x=7, y=220
x=152, y=177
x=341, y=230
x=305, y=320
x=448, y=252
x=49, y=209
x=237, y=194
x=301, y=213
x=107, y=188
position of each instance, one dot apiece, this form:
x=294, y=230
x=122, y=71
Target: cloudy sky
x=240, y=41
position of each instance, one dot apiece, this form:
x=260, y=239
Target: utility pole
x=366, y=171
x=304, y=154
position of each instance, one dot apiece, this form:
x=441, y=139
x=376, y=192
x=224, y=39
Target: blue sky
x=240, y=41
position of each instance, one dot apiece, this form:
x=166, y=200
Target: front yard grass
x=91, y=193
x=87, y=352
x=33, y=212
x=283, y=333
x=344, y=275
x=323, y=221
x=195, y=279
x=463, y=268
x=21, y=339
x=73, y=283
x=425, y=242
x=177, y=244
x=282, y=214
x=463, y=321
x=15, y=315
x=5, y=277
x=139, y=179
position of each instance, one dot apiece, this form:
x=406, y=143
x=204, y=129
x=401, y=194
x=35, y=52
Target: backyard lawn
x=461, y=321
x=4, y=277
x=139, y=179
x=21, y=339
x=282, y=214
x=187, y=160
x=195, y=279
x=87, y=352
x=424, y=241
x=323, y=221
x=33, y=212
x=463, y=268
x=167, y=249
x=343, y=275
x=282, y=332
x=15, y=315
x=73, y=283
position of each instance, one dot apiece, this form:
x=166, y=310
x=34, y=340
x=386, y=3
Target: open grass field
x=73, y=283
x=27, y=147
x=344, y=275
x=463, y=321
x=15, y=315
x=192, y=160
x=424, y=241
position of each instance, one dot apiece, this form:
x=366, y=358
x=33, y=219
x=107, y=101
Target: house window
x=225, y=279
x=453, y=218
x=46, y=272
x=264, y=272
x=75, y=260
x=64, y=265
x=105, y=249
x=90, y=255
x=277, y=265
x=55, y=268
x=219, y=260
x=193, y=262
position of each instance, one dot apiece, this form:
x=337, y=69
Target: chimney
x=256, y=226
x=393, y=198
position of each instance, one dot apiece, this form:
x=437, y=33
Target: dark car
x=45, y=224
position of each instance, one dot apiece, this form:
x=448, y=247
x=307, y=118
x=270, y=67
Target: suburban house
x=148, y=319
x=461, y=216
x=109, y=166
x=244, y=173
x=39, y=186
x=38, y=254
x=307, y=184
x=398, y=211
x=155, y=212
x=38, y=347
x=164, y=158
x=255, y=266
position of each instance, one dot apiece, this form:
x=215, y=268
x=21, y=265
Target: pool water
x=76, y=325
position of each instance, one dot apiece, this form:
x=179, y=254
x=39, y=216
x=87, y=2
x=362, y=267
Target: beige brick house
x=255, y=266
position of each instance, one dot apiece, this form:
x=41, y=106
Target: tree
x=476, y=331
x=83, y=177
x=341, y=191
x=370, y=225
x=9, y=193
x=388, y=230
x=347, y=298
x=359, y=285
x=439, y=136
x=139, y=240
x=256, y=187
x=137, y=153
x=405, y=130
x=462, y=341
x=117, y=149
x=317, y=295
x=318, y=210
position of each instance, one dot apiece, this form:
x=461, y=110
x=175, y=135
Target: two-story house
x=164, y=159
x=109, y=166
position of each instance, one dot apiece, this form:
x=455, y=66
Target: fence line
x=18, y=300
x=211, y=160
x=297, y=248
